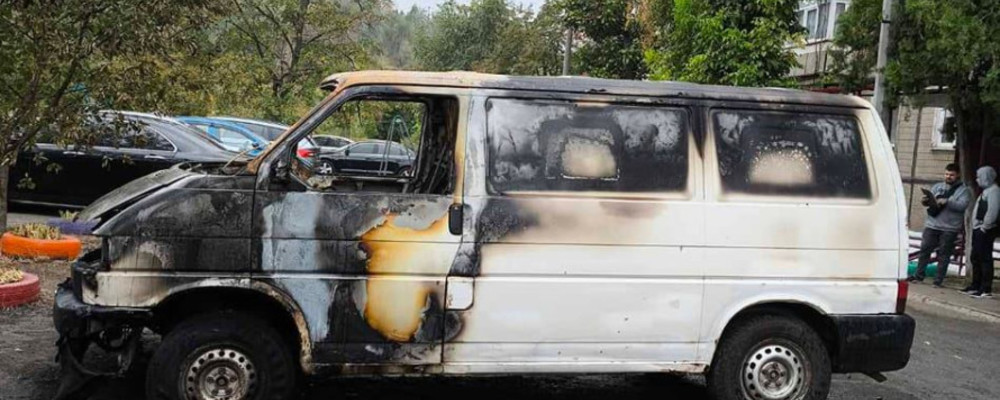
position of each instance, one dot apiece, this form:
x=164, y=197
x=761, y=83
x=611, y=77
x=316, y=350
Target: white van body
x=564, y=225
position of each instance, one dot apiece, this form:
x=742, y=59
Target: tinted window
x=364, y=148
x=790, y=154
x=397, y=150
x=154, y=141
x=134, y=136
x=542, y=145
x=324, y=140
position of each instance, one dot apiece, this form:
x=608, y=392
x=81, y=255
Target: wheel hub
x=773, y=372
x=220, y=374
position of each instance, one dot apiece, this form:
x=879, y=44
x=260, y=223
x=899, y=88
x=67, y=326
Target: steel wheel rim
x=774, y=372
x=220, y=373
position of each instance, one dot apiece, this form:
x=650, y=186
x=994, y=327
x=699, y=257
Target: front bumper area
x=114, y=329
x=872, y=343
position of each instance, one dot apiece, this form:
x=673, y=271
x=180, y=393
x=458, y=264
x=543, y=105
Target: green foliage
x=490, y=36
x=60, y=63
x=741, y=43
x=612, y=37
x=274, y=53
x=953, y=45
x=391, y=40
x=856, y=45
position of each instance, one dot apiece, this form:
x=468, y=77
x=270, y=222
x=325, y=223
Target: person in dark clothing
x=984, y=233
x=945, y=218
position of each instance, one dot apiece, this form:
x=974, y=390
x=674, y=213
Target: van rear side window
x=563, y=146
x=778, y=153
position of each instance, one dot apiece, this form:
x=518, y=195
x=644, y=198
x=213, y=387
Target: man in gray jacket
x=984, y=232
x=945, y=218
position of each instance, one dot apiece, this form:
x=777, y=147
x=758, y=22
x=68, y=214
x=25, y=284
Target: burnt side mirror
x=280, y=171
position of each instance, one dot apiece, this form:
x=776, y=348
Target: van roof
x=578, y=84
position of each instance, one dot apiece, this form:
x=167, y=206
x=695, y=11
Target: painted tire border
x=24, y=291
x=68, y=247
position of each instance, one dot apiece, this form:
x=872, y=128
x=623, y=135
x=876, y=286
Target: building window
x=942, y=138
x=819, y=18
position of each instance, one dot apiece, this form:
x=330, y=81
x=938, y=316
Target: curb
x=968, y=311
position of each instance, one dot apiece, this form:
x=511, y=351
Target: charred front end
x=158, y=235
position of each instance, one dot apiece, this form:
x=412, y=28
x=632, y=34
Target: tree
x=391, y=40
x=952, y=45
x=729, y=42
x=60, y=63
x=612, y=46
x=490, y=36
x=856, y=46
x=283, y=48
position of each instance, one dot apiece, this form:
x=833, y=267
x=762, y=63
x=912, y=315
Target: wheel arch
x=815, y=316
x=257, y=298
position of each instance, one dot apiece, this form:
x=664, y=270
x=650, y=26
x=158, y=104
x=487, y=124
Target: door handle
x=73, y=153
x=154, y=157
x=455, y=218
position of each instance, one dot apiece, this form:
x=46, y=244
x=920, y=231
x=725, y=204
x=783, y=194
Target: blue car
x=307, y=149
x=232, y=136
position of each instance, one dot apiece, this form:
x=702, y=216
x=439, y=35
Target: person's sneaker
x=985, y=295
x=938, y=285
x=911, y=279
x=969, y=290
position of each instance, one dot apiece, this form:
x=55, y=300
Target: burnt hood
x=131, y=192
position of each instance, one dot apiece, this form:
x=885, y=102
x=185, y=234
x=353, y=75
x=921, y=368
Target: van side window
x=423, y=128
x=540, y=145
x=777, y=153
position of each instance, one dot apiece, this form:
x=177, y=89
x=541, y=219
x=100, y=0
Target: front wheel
x=771, y=357
x=223, y=355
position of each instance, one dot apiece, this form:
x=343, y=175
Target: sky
x=405, y=5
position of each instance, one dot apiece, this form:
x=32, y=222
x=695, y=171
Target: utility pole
x=883, y=49
x=569, y=51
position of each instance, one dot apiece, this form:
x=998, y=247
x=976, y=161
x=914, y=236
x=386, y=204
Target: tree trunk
x=968, y=153
x=4, y=171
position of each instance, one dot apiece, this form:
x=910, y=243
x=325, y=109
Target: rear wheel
x=223, y=355
x=325, y=168
x=770, y=357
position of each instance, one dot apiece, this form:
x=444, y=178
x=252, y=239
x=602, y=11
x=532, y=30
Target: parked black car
x=81, y=175
x=370, y=157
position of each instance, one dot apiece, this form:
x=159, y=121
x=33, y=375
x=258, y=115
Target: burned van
x=549, y=225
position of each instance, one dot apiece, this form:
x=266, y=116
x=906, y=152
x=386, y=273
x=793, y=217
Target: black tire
x=731, y=376
x=271, y=362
